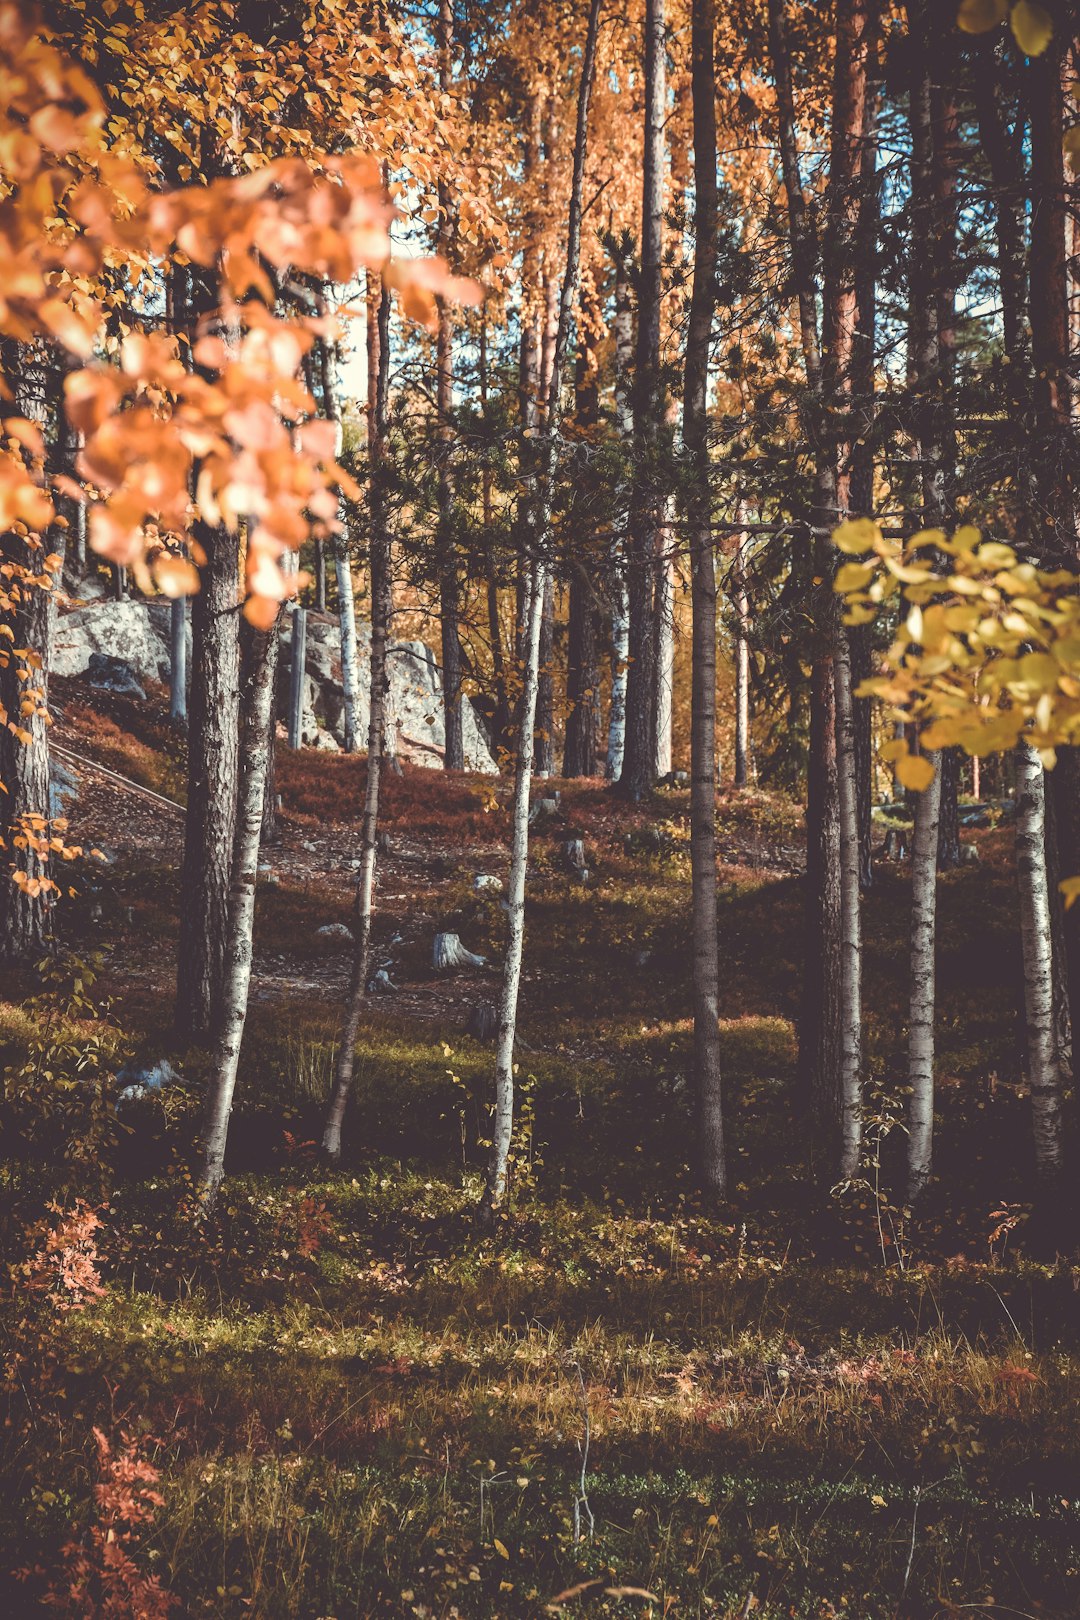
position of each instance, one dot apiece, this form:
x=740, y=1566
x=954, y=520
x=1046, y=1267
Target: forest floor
x=353, y=1402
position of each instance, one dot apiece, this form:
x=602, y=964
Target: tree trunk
x=949, y=856
x=449, y=587
x=230, y=1013
x=178, y=660
x=210, y=820
x=537, y=523
x=850, y=913
x=707, y=1070
x=319, y=577
x=922, y=994
x=24, y=762
x=1054, y=453
x=583, y=679
x=639, y=761
x=665, y=653
x=1043, y=1075
x=500, y=719
x=379, y=563
x=297, y=673
x=545, y=691
x=346, y=599
x=742, y=663
x=620, y=603
x=582, y=743
x=1064, y=783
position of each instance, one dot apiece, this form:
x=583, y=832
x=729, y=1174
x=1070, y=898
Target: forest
x=539, y=809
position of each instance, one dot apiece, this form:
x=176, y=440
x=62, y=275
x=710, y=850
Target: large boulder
x=138, y=633
x=111, y=674
x=416, y=727
x=123, y=630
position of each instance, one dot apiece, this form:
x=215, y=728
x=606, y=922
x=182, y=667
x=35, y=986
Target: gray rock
x=139, y=1077
x=126, y=630
x=111, y=674
x=487, y=883
x=338, y=932
x=63, y=789
x=381, y=984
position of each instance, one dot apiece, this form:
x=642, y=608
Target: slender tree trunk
x=500, y=719
x=923, y=986
x=544, y=756
x=639, y=762
x=741, y=777
x=665, y=655
x=230, y=1012
x=210, y=821
x=620, y=602
x=949, y=835
x=707, y=1069
x=1035, y=931
x=449, y=585
x=178, y=661
x=863, y=384
x=319, y=577
x=850, y=913
x=820, y=1017
x=297, y=675
x=24, y=760
x=582, y=745
x=1054, y=453
x=537, y=523
x=346, y=597
x=379, y=562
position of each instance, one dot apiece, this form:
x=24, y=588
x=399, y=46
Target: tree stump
x=543, y=810
x=448, y=952
x=483, y=1021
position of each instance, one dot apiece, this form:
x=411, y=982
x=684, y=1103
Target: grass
x=357, y=1403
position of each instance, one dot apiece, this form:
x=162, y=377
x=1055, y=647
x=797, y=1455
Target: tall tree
x=210, y=818
x=231, y=1000
x=645, y=527
x=538, y=519
x=449, y=591
x=379, y=569
x=27, y=613
x=707, y=1071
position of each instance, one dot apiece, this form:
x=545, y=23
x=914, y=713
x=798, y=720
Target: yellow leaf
x=1032, y=27
x=915, y=772
x=979, y=16
x=1070, y=888
x=854, y=577
x=500, y=1549
x=856, y=536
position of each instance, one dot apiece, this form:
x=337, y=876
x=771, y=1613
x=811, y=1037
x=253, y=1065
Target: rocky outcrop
x=126, y=630
x=138, y=633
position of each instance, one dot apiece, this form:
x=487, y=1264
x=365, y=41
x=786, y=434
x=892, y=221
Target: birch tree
x=707, y=1071
x=536, y=531
x=379, y=564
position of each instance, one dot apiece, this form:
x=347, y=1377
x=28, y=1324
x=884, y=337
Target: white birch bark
x=231, y=1011
x=620, y=601
x=850, y=913
x=1035, y=933
x=665, y=656
x=742, y=663
x=381, y=591
x=923, y=987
